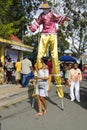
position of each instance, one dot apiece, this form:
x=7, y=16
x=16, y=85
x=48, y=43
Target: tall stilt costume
x=49, y=36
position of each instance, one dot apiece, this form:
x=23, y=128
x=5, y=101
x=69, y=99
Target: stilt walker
x=48, y=18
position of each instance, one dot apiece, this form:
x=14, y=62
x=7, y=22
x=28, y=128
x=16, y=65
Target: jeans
x=26, y=78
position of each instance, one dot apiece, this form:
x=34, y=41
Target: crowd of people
x=24, y=70
x=16, y=73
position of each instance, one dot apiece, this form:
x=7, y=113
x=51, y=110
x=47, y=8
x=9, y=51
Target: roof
x=16, y=45
x=15, y=38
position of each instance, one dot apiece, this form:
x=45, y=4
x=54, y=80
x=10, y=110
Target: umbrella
x=67, y=58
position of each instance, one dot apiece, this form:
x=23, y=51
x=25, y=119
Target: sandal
x=45, y=112
x=39, y=114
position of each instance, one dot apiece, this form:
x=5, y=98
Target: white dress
x=42, y=85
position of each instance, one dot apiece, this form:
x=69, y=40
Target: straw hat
x=44, y=5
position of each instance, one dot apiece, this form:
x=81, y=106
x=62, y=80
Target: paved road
x=20, y=116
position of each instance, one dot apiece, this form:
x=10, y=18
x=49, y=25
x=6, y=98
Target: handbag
x=41, y=85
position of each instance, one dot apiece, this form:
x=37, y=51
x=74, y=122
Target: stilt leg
x=62, y=104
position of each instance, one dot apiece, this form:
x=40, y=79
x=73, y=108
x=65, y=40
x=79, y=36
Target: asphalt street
x=21, y=116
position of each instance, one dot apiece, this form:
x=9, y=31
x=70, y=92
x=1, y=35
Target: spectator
x=1, y=77
x=18, y=71
x=13, y=74
x=9, y=68
x=1, y=65
x=26, y=70
x=42, y=87
x=1, y=73
x=85, y=71
x=5, y=71
x=67, y=75
x=75, y=76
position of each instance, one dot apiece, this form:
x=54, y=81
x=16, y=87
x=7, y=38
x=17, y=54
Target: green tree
x=4, y=6
x=32, y=41
x=12, y=18
x=17, y=17
x=76, y=10
x=63, y=44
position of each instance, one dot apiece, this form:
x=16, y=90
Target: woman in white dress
x=42, y=87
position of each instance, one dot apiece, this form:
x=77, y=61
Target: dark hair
x=44, y=59
x=9, y=59
x=26, y=56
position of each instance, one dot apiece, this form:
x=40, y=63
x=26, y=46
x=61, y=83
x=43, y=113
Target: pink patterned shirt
x=75, y=75
x=48, y=21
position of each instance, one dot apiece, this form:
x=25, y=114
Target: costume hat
x=44, y=5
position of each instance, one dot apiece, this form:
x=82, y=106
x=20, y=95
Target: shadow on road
x=83, y=97
x=83, y=94
x=32, y=98
x=52, y=102
x=66, y=95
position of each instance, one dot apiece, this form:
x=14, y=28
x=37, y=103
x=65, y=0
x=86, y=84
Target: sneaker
x=72, y=100
x=78, y=100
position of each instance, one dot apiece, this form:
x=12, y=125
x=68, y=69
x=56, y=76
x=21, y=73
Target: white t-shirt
x=25, y=66
x=42, y=86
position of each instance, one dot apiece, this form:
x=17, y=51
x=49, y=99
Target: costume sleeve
x=33, y=27
x=59, y=19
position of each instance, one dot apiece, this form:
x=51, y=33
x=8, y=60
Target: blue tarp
x=67, y=58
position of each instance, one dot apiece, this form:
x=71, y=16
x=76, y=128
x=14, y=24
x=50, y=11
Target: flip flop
x=39, y=114
x=45, y=112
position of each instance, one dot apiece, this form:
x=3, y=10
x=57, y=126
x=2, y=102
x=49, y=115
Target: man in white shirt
x=26, y=70
x=75, y=76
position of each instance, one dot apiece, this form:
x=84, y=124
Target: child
x=42, y=87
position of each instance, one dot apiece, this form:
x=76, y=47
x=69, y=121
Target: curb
x=12, y=94
x=7, y=104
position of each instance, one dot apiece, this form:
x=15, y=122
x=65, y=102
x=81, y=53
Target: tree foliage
x=76, y=10
x=12, y=18
x=63, y=44
x=14, y=15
